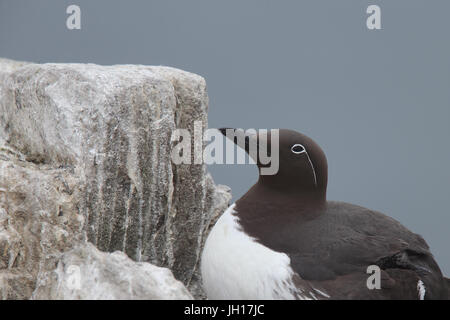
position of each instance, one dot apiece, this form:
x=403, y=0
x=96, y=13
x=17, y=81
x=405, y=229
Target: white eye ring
x=296, y=146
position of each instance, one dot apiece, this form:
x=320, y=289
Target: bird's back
x=334, y=247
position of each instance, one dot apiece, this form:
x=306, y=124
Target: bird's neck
x=264, y=200
x=303, y=193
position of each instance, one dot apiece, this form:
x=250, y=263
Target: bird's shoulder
x=368, y=222
x=345, y=238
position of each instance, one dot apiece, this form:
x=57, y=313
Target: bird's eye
x=297, y=148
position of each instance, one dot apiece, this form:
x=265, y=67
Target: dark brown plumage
x=331, y=244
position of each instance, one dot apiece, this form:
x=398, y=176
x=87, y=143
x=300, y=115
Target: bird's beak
x=257, y=146
x=239, y=137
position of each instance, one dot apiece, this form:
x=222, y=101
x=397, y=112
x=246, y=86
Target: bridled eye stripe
x=298, y=148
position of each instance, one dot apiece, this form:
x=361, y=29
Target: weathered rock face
x=100, y=138
x=89, y=274
x=39, y=219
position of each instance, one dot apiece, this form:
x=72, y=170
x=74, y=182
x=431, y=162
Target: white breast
x=235, y=266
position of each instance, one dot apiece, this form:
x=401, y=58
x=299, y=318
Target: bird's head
x=301, y=163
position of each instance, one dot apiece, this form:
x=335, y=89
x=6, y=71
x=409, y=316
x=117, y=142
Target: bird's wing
x=335, y=250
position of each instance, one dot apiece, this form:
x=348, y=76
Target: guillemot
x=284, y=240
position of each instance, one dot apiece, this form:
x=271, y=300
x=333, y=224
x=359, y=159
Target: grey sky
x=378, y=102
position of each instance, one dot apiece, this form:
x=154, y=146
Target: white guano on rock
x=85, y=156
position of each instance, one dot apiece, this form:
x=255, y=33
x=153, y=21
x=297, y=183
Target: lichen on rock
x=85, y=157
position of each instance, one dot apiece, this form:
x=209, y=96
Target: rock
x=85, y=273
x=39, y=219
x=86, y=156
